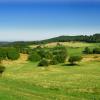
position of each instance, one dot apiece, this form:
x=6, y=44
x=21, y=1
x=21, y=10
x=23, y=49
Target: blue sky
x=41, y=19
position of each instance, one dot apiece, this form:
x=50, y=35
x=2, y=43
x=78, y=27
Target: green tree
x=44, y=62
x=3, y=53
x=96, y=50
x=74, y=59
x=34, y=56
x=13, y=54
x=48, y=55
x=87, y=50
x=54, y=61
x=60, y=54
x=41, y=52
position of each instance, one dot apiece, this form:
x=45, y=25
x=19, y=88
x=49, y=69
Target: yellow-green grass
x=59, y=82
x=24, y=80
x=67, y=44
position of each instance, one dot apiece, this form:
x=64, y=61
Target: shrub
x=48, y=55
x=54, y=61
x=24, y=50
x=2, y=69
x=44, y=62
x=3, y=53
x=96, y=50
x=60, y=54
x=87, y=50
x=74, y=59
x=34, y=56
x=45, y=54
x=13, y=54
x=41, y=52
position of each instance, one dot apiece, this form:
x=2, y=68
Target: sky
x=29, y=20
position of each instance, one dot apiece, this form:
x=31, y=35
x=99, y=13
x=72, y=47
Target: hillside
x=80, y=38
x=26, y=81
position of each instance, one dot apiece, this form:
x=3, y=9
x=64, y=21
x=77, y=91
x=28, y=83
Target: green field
x=27, y=81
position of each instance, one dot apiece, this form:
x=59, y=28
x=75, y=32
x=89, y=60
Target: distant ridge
x=81, y=38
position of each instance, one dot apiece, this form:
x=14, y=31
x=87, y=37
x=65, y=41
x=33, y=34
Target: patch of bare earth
x=92, y=57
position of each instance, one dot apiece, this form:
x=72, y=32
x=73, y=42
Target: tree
x=41, y=52
x=74, y=59
x=3, y=53
x=96, y=50
x=44, y=62
x=48, y=55
x=60, y=54
x=2, y=69
x=87, y=50
x=34, y=56
x=54, y=61
x=13, y=54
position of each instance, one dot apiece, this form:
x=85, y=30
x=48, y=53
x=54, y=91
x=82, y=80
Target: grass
x=59, y=82
x=24, y=80
x=67, y=44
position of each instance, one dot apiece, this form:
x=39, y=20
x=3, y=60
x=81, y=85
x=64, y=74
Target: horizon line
x=46, y=38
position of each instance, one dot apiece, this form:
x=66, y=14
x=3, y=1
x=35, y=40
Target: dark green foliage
x=2, y=69
x=74, y=59
x=41, y=52
x=96, y=50
x=44, y=62
x=54, y=61
x=61, y=57
x=3, y=53
x=60, y=54
x=45, y=53
x=39, y=47
x=80, y=38
x=25, y=50
x=34, y=56
x=13, y=54
x=87, y=50
x=48, y=55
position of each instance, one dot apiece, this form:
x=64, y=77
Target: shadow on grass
x=70, y=65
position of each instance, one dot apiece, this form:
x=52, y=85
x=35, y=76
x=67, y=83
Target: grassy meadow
x=24, y=80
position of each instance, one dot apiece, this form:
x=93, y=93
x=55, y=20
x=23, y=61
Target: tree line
x=89, y=50
x=81, y=38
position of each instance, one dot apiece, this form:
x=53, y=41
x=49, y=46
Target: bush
x=45, y=54
x=96, y=50
x=2, y=69
x=3, y=54
x=60, y=54
x=87, y=50
x=48, y=55
x=54, y=61
x=44, y=62
x=41, y=52
x=74, y=59
x=24, y=50
x=34, y=56
x=13, y=54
